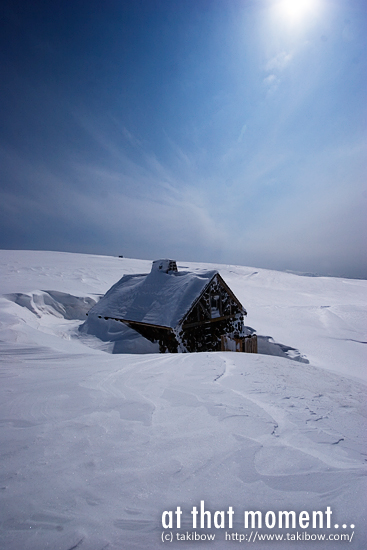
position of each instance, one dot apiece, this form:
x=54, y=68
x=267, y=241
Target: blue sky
x=229, y=131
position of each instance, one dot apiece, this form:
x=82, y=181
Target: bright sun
x=295, y=10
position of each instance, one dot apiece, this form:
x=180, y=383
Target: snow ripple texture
x=95, y=446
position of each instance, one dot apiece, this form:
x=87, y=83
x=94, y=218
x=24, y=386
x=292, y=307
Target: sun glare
x=295, y=10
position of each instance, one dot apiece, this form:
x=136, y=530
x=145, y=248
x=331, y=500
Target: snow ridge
x=95, y=446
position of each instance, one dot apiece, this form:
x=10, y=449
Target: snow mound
x=109, y=335
x=53, y=302
x=95, y=447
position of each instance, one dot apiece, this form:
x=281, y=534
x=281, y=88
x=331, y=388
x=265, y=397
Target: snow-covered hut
x=183, y=311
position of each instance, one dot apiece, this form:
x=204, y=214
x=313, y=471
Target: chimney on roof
x=164, y=266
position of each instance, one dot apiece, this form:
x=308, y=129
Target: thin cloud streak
x=248, y=148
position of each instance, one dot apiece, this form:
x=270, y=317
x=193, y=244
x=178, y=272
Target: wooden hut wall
x=214, y=303
x=206, y=336
x=214, y=314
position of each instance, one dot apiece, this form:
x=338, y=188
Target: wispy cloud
x=279, y=62
x=275, y=67
x=242, y=133
x=259, y=160
x=271, y=82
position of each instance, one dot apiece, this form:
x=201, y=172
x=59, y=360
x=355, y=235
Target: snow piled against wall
x=95, y=447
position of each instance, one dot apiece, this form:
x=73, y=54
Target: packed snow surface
x=95, y=447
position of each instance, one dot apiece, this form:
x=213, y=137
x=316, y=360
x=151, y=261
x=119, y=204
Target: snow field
x=95, y=446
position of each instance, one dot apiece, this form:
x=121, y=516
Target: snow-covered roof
x=159, y=298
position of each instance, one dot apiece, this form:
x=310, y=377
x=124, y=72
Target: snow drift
x=96, y=446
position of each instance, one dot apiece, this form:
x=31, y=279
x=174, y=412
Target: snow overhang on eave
x=132, y=323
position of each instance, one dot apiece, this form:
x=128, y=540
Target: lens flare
x=295, y=10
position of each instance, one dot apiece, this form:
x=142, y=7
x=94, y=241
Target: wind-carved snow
x=55, y=303
x=109, y=335
x=95, y=446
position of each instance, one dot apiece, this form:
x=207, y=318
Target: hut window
x=215, y=305
x=215, y=302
